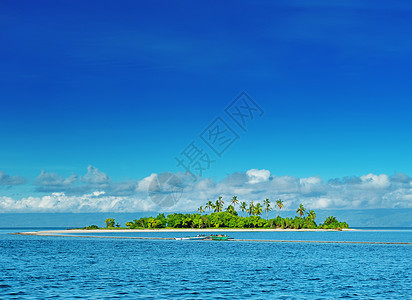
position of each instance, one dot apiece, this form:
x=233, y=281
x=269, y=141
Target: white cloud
x=256, y=176
x=311, y=185
x=365, y=192
x=322, y=203
x=48, y=182
x=399, y=198
x=94, y=176
x=143, y=185
x=53, y=179
x=60, y=202
x=311, y=181
x=285, y=184
x=372, y=181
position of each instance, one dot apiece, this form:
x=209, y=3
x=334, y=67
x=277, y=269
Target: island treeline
x=229, y=217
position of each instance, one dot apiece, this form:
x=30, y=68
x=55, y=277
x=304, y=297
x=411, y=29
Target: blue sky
x=122, y=88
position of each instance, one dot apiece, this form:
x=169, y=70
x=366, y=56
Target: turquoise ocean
x=41, y=267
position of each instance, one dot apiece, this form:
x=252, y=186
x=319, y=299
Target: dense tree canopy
x=229, y=218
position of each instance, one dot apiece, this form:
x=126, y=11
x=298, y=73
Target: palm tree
x=209, y=205
x=200, y=210
x=230, y=209
x=301, y=210
x=251, y=208
x=258, y=209
x=216, y=206
x=266, y=203
x=330, y=220
x=279, y=204
x=312, y=215
x=243, y=206
x=234, y=201
x=220, y=201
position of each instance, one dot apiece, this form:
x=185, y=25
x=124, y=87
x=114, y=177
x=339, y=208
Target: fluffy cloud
x=143, y=184
x=10, y=180
x=400, y=178
x=96, y=177
x=364, y=192
x=256, y=176
x=60, y=202
x=74, y=185
x=54, y=180
x=372, y=181
x=311, y=186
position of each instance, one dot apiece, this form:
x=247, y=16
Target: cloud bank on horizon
x=95, y=192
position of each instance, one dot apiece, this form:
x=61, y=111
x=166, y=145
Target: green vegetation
x=109, y=222
x=279, y=204
x=229, y=218
x=91, y=227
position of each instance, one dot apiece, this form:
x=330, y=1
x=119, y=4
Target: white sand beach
x=46, y=232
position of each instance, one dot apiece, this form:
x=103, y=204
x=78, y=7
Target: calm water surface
x=392, y=235
x=35, y=267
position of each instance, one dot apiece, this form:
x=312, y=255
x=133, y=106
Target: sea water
x=41, y=267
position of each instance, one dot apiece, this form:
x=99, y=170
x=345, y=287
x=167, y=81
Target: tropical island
x=229, y=218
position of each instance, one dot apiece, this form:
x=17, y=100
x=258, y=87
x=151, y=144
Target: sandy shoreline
x=60, y=233
x=180, y=230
